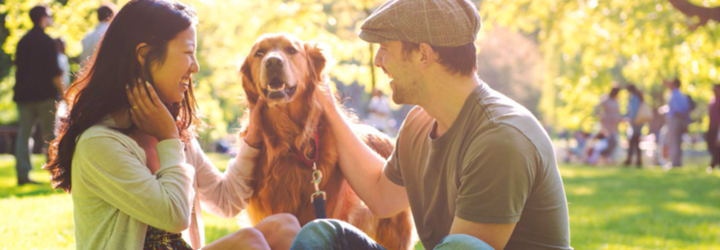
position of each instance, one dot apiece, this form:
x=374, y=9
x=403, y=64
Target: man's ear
x=318, y=57
x=141, y=51
x=247, y=81
x=427, y=54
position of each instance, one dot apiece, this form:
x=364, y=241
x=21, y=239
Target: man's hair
x=614, y=92
x=461, y=59
x=106, y=12
x=676, y=82
x=38, y=12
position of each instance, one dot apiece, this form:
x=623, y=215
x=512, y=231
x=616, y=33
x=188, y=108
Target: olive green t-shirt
x=495, y=164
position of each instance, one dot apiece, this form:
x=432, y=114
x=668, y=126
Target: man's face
x=47, y=21
x=401, y=70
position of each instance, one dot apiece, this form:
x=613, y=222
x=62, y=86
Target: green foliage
x=585, y=46
x=589, y=44
x=226, y=32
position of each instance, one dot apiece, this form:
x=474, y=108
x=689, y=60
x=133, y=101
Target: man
x=37, y=86
x=711, y=137
x=104, y=14
x=477, y=169
x=677, y=120
x=610, y=117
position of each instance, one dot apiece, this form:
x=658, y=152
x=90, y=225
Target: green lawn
x=610, y=208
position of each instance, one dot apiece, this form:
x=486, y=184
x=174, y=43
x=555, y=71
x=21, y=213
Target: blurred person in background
x=633, y=115
x=379, y=112
x=677, y=119
x=37, y=86
x=104, y=14
x=609, y=112
x=64, y=65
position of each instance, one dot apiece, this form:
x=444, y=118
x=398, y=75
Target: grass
x=610, y=208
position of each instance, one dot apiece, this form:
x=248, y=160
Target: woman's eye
x=260, y=53
x=291, y=50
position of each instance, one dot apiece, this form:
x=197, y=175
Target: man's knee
x=250, y=238
x=320, y=227
x=462, y=241
x=318, y=234
x=279, y=226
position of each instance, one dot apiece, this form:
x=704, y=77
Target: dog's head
x=280, y=67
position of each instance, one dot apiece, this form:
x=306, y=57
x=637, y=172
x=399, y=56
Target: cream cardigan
x=115, y=196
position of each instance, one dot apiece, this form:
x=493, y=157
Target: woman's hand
x=254, y=133
x=149, y=114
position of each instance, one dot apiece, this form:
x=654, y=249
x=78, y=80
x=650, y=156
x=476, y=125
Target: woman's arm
x=226, y=194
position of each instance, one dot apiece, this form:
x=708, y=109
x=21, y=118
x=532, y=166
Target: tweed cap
x=445, y=23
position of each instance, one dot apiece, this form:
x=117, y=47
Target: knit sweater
x=115, y=196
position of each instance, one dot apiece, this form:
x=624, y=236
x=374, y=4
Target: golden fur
x=282, y=181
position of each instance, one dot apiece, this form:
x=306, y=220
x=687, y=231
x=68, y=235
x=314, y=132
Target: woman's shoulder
x=99, y=130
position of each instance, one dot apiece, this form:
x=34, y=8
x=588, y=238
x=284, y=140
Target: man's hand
x=57, y=82
x=254, y=133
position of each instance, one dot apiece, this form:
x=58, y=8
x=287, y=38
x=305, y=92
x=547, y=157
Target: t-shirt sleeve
x=392, y=167
x=496, y=177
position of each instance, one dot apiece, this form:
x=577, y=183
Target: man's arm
x=362, y=167
x=51, y=64
x=495, y=235
x=57, y=82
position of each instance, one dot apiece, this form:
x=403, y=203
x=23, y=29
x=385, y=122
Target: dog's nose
x=274, y=63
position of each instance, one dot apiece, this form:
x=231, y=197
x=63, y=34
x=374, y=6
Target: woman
x=636, y=99
x=127, y=149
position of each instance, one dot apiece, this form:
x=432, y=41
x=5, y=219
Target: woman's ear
x=141, y=50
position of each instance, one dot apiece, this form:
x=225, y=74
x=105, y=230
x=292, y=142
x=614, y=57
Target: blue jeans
x=28, y=113
x=336, y=234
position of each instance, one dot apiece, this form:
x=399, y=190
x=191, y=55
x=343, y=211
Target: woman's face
x=172, y=77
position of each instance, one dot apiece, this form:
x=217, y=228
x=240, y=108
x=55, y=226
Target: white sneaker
x=667, y=166
x=709, y=170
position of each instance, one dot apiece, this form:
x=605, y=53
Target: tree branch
x=690, y=10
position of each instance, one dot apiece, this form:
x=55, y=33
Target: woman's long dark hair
x=100, y=90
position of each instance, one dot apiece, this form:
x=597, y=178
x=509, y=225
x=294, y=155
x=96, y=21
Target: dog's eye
x=291, y=50
x=260, y=53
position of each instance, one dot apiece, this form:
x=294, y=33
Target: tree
x=226, y=32
x=587, y=45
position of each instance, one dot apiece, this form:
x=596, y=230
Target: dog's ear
x=319, y=57
x=251, y=92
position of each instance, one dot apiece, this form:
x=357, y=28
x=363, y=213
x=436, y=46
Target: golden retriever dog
x=286, y=72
